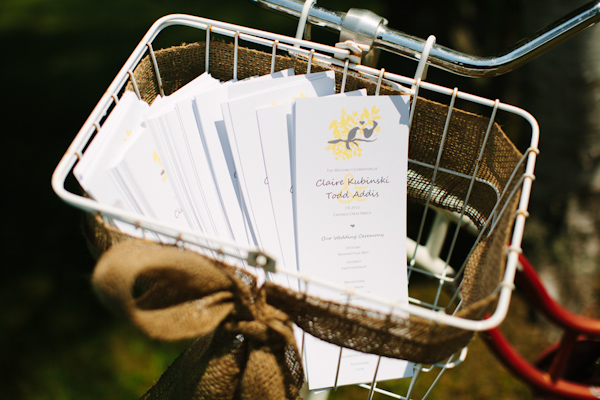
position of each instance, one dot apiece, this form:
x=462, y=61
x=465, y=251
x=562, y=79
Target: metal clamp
x=356, y=50
x=363, y=27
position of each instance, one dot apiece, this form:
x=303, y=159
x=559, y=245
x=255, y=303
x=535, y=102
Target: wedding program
x=315, y=179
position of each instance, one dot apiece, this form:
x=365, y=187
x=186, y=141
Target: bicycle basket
x=460, y=164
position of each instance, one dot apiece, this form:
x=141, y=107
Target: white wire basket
x=437, y=255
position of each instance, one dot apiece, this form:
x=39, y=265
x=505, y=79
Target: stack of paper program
x=315, y=179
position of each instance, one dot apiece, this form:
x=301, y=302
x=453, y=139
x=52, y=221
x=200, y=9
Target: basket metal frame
x=422, y=255
x=424, y=258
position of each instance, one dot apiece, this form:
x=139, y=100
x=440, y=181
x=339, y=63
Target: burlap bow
x=244, y=347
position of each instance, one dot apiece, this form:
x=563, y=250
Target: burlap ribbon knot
x=244, y=348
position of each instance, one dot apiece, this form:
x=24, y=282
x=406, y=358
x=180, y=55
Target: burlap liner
x=244, y=346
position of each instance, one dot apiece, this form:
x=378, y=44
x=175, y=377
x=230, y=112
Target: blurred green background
x=56, y=340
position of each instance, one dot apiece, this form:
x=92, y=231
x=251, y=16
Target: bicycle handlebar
x=369, y=28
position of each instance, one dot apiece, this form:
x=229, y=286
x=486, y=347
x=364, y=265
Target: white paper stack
x=315, y=179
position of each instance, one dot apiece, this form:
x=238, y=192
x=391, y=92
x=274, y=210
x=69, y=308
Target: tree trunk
x=562, y=90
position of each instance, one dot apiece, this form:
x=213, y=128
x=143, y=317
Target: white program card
x=199, y=174
x=261, y=83
x=202, y=83
x=168, y=132
x=141, y=175
x=175, y=128
x=174, y=125
x=243, y=133
x=121, y=127
x=275, y=128
x=112, y=137
x=351, y=156
x=162, y=105
x=209, y=117
x=217, y=152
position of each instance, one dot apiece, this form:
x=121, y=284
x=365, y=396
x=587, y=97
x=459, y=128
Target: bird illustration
x=352, y=136
x=368, y=132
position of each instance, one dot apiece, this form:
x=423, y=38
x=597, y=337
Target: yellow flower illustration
x=352, y=129
x=163, y=174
